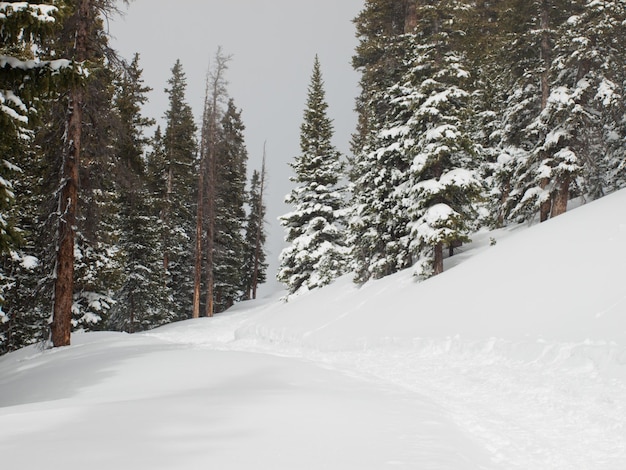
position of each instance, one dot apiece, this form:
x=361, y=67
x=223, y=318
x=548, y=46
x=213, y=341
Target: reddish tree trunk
x=61, y=325
x=438, y=259
x=561, y=197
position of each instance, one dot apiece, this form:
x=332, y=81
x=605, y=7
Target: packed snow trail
x=531, y=405
x=156, y=402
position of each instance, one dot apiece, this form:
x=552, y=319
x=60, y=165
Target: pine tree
x=588, y=101
x=27, y=75
x=529, y=155
x=178, y=194
x=428, y=136
x=254, y=269
x=377, y=235
x=141, y=302
x=232, y=158
x=206, y=210
x=317, y=253
x=84, y=142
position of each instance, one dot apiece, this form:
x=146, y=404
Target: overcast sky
x=273, y=44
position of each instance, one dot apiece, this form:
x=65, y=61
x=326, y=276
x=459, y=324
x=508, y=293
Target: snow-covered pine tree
x=315, y=228
x=178, y=193
x=589, y=75
x=141, y=302
x=26, y=76
x=530, y=148
x=430, y=134
x=254, y=269
x=232, y=157
x=84, y=154
x=377, y=235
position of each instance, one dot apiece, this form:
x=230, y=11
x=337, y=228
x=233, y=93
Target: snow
x=513, y=359
x=41, y=12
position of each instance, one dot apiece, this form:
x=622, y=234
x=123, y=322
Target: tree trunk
x=61, y=325
x=165, y=217
x=561, y=197
x=438, y=259
x=197, y=282
x=410, y=20
x=259, y=229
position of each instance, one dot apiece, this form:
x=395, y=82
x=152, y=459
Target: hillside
x=514, y=358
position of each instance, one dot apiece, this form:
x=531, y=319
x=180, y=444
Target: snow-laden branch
x=42, y=12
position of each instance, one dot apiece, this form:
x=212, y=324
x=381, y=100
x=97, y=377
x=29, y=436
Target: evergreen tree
x=232, y=158
x=26, y=78
x=142, y=301
x=317, y=253
x=178, y=193
x=254, y=269
x=208, y=178
x=377, y=235
x=528, y=151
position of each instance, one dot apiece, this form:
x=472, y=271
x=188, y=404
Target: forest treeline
x=101, y=226
x=471, y=114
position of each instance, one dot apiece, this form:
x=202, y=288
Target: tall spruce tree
x=141, y=301
x=441, y=186
x=315, y=228
x=232, y=157
x=178, y=193
x=376, y=235
x=254, y=269
x=83, y=159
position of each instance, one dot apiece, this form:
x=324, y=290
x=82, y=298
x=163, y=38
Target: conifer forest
x=471, y=114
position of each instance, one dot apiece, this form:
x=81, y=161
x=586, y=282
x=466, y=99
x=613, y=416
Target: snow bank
x=559, y=281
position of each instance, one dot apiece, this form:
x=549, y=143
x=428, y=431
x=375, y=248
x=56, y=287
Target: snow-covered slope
x=563, y=280
x=513, y=359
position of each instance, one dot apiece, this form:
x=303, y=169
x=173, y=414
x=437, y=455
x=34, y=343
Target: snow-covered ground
x=514, y=358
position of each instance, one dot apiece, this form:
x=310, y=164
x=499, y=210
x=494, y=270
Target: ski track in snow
x=558, y=411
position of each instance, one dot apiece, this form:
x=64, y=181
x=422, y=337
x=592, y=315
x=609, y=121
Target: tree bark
x=410, y=20
x=61, y=325
x=438, y=259
x=561, y=197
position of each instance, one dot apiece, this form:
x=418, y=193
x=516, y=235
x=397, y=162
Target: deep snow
x=514, y=358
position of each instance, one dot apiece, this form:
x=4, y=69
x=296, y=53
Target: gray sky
x=273, y=44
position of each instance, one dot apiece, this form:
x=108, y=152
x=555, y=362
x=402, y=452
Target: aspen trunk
x=61, y=325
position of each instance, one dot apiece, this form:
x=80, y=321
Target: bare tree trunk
x=218, y=92
x=259, y=229
x=197, y=281
x=197, y=284
x=61, y=324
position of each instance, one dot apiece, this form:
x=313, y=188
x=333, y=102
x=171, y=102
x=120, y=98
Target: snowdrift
x=559, y=281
